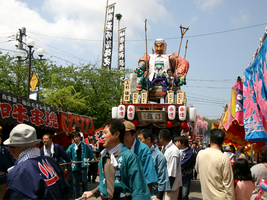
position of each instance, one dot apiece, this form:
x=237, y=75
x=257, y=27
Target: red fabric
x=67, y=121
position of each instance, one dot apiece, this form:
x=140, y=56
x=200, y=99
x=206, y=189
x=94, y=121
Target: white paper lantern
x=130, y=112
x=171, y=112
x=114, y=112
x=121, y=111
x=192, y=114
x=182, y=113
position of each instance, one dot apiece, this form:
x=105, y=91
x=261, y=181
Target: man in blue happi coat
x=6, y=161
x=53, y=150
x=187, y=165
x=160, y=163
x=142, y=151
x=34, y=176
x=81, y=154
x=120, y=170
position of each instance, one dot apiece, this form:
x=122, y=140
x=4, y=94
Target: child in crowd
x=167, y=85
x=242, y=175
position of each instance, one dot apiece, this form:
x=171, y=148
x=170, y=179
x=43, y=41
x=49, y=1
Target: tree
x=98, y=90
x=85, y=90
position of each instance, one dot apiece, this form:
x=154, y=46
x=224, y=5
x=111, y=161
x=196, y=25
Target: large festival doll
x=160, y=62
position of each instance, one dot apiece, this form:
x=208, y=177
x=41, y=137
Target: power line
x=210, y=87
x=223, y=80
x=62, y=51
x=171, y=38
x=203, y=95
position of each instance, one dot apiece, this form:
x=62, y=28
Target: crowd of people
x=131, y=166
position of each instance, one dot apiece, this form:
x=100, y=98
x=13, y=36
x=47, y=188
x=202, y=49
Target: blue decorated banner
x=254, y=98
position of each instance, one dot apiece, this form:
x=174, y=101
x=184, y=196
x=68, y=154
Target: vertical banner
x=121, y=50
x=107, y=48
x=255, y=97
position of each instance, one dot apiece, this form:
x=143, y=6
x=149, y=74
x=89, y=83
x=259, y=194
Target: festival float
x=152, y=96
x=245, y=117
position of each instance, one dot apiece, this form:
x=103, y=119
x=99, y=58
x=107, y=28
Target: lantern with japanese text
x=114, y=112
x=171, y=112
x=182, y=113
x=130, y=112
x=121, y=111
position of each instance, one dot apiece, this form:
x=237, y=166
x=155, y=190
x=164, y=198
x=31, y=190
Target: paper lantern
x=121, y=111
x=171, y=112
x=135, y=122
x=192, y=114
x=114, y=112
x=182, y=113
x=130, y=112
x=183, y=125
x=169, y=124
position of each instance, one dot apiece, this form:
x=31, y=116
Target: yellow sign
x=33, y=82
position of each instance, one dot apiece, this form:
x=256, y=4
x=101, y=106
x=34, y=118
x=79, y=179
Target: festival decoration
x=171, y=112
x=255, y=98
x=263, y=186
x=192, y=114
x=121, y=111
x=114, y=112
x=130, y=112
x=182, y=113
x=135, y=122
x=169, y=124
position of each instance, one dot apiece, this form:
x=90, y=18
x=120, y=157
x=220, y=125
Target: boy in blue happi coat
x=120, y=171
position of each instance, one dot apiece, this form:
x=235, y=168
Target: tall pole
x=146, y=60
x=29, y=72
x=183, y=31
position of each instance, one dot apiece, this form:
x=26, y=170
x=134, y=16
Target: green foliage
x=86, y=90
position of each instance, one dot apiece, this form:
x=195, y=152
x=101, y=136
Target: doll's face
x=159, y=48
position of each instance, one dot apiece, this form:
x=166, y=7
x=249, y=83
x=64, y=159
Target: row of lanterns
x=119, y=112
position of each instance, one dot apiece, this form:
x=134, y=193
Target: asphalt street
x=195, y=190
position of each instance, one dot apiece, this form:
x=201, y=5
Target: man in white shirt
x=173, y=157
x=215, y=170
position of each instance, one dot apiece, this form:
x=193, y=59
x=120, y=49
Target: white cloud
x=240, y=18
x=207, y=4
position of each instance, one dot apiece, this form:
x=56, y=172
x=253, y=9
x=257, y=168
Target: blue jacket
x=129, y=177
x=144, y=154
x=59, y=153
x=160, y=164
x=167, y=85
x=187, y=164
x=37, y=178
x=86, y=155
x=6, y=161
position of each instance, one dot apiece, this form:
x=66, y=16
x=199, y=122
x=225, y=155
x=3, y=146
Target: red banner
x=67, y=121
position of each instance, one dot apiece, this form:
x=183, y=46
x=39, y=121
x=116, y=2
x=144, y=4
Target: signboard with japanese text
x=67, y=120
x=121, y=54
x=108, y=40
x=16, y=109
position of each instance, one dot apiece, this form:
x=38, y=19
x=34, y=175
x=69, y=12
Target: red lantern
x=135, y=122
x=183, y=125
x=169, y=124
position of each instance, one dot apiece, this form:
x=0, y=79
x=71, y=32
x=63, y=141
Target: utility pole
x=19, y=38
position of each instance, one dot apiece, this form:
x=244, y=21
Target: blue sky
x=222, y=38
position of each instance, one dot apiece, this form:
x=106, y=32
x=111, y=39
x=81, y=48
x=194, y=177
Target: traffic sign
x=34, y=81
